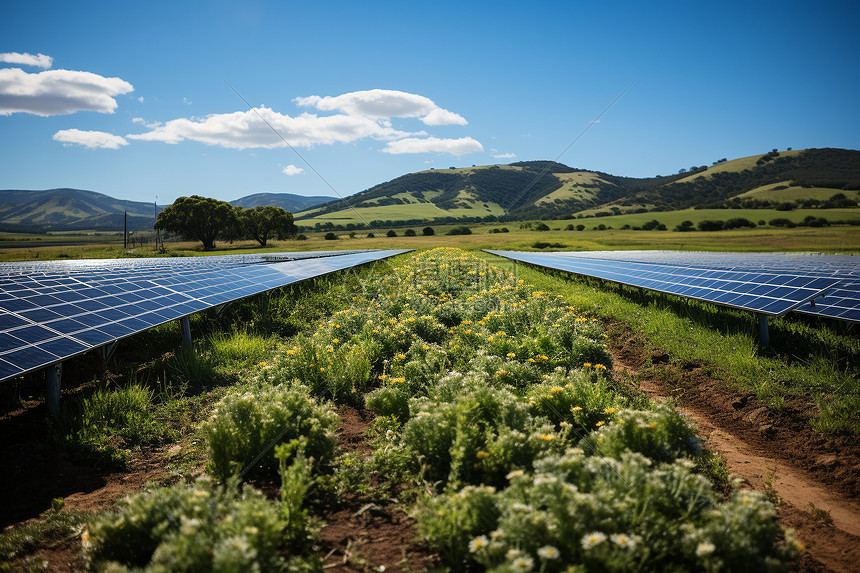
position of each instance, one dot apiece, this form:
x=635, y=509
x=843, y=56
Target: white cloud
x=459, y=146
x=58, y=92
x=39, y=60
x=292, y=170
x=384, y=104
x=90, y=139
x=505, y=155
x=251, y=129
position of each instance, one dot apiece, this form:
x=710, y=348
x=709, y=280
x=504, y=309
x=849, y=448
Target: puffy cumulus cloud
x=292, y=170
x=90, y=139
x=254, y=129
x=459, y=146
x=58, y=92
x=384, y=104
x=38, y=60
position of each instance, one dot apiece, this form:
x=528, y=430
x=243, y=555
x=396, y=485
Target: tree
x=391, y=233
x=428, y=231
x=200, y=219
x=409, y=233
x=330, y=237
x=264, y=222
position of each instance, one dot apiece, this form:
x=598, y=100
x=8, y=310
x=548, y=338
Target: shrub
x=330, y=237
x=542, y=227
x=301, y=238
x=738, y=222
x=193, y=527
x=245, y=426
x=409, y=233
x=710, y=225
x=782, y=222
x=391, y=233
x=371, y=236
x=462, y=230
x=428, y=231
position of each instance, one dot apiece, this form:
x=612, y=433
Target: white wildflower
x=705, y=548
x=592, y=539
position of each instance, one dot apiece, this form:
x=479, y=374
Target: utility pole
x=125, y=230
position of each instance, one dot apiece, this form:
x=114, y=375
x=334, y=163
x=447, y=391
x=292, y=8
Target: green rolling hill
x=546, y=190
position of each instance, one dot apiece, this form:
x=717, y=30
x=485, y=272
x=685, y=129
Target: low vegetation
x=496, y=423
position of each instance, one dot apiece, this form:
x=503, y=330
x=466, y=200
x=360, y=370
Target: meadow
x=495, y=424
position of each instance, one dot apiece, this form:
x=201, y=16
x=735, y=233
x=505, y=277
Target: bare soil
x=813, y=479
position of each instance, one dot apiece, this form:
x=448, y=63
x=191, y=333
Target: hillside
x=287, y=201
x=80, y=210
x=70, y=209
x=546, y=190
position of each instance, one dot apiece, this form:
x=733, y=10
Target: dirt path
x=824, y=512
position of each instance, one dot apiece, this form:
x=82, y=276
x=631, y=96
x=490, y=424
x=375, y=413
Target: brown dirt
x=366, y=534
x=775, y=451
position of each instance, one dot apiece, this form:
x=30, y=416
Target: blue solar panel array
x=50, y=311
x=770, y=293
x=841, y=301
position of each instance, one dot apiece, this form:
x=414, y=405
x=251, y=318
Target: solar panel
x=769, y=293
x=842, y=301
x=53, y=310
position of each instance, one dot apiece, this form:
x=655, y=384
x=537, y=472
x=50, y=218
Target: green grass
x=793, y=193
x=673, y=218
x=736, y=165
x=819, y=363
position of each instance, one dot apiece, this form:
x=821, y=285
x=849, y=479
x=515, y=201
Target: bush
x=710, y=225
x=684, y=227
x=782, y=222
x=245, y=425
x=462, y=230
x=371, y=236
x=301, y=238
x=409, y=233
x=428, y=231
x=330, y=237
x=542, y=227
x=738, y=222
x=391, y=233
x=194, y=527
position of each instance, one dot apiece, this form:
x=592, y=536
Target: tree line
x=207, y=220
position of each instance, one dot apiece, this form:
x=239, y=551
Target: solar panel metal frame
x=52, y=311
x=772, y=294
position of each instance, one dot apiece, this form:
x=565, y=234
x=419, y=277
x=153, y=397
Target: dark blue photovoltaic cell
x=52, y=310
x=761, y=291
x=840, y=301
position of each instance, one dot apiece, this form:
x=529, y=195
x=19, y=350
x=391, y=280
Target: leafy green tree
x=200, y=219
x=409, y=233
x=265, y=222
x=428, y=231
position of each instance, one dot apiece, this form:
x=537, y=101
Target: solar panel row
x=765, y=292
x=841, y=301
x=66, y=308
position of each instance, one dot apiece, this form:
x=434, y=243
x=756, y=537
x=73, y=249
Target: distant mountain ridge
x=80, y=210
x=288, y=201
x=547, y=190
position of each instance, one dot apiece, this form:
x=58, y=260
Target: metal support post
x=763, y=332
x=53, y=378
x=186, y=332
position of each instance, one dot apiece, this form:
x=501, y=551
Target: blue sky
x=132, y=99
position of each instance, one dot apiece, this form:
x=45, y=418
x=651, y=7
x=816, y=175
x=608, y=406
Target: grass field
x=841, y=239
